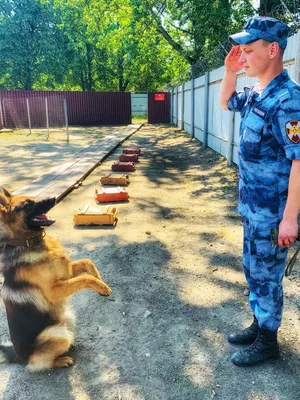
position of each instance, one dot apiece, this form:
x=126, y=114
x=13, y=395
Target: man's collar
x=274, y=83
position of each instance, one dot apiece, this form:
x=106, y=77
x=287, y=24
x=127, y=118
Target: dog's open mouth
x=38, y=217
x=41, y=220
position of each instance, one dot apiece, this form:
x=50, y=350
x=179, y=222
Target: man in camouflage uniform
x=269, y=165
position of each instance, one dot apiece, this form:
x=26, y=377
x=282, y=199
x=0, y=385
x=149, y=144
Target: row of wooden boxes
x=106, y=215
x=127, y=160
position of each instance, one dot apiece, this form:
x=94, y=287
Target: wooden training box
x=131, y=150
x=129, y=157
x=123, y=166
x=105, y=195
x=105, y=215
x=120, y=180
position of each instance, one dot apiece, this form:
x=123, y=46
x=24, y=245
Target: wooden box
x=129, y=157
x=132, y=150
x=123, y=166
x=120, y=180
x=105, y=215
x=105, y=195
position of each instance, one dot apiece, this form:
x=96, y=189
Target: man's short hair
x=266, y=43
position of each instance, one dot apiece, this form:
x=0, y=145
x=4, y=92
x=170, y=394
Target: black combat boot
x=264, y=348
x=246, y=336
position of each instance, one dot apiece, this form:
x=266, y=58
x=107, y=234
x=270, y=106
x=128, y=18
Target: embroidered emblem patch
x=293, y=131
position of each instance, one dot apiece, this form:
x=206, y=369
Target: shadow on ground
x=174, y=264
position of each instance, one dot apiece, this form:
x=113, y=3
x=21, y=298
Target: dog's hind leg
x=51, y=344
x=68, y=318
x=85, y=266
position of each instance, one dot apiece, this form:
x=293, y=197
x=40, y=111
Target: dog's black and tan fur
x=39, y=278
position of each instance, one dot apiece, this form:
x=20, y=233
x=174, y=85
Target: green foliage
x=112, y=45
x=194, y=27
x=30, y=44
x=287, y=10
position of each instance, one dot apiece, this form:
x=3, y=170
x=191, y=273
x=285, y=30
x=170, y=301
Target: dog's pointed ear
x=6, y=192
x=3, y=201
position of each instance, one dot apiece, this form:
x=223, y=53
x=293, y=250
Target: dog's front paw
x=63, y=362
x=105, y=290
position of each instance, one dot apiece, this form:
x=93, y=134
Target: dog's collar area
x=31, y=242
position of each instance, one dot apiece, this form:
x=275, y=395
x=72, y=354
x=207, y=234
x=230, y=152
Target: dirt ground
x=26, y=157
x=174, y=265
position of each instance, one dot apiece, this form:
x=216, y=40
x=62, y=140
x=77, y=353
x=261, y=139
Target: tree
x=285, y=10
x=193, y=27
x=113, y=45
x=123, y=54
x=30, y=44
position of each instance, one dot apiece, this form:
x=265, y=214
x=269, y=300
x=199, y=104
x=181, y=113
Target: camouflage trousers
x=264, y=270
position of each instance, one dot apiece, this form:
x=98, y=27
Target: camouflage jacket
x=269, y=141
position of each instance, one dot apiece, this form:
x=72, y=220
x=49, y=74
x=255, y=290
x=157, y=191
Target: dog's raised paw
x=105, y=291
x=63, y=362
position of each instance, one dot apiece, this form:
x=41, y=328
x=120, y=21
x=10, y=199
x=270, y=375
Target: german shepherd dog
x=39, y=279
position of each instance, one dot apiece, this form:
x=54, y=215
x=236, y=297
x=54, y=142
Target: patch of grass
x=241, y=302
x=139, y=118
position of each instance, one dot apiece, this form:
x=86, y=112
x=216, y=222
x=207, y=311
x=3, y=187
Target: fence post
x=230, y=140
x=171, y=106
x=192, y=107
x=28, y=114
x=1, y=114
x=182, y=106
x=66, y=118
x=176, y=105
x=47, y=116
x=206, y=93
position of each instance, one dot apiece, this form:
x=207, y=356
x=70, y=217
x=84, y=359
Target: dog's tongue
x=44, y=220
x=42, y=216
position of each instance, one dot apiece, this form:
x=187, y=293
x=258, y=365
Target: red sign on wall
x=159, y=96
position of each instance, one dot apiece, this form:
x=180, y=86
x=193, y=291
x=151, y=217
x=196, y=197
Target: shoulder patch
x=292, y=129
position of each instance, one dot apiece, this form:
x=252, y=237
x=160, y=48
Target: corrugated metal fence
x=159, y=107
x=196, y=109
x=18, y=107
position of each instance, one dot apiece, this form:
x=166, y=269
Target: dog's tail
x=8, y=355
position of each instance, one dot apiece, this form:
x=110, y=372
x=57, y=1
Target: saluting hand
x=232, y=60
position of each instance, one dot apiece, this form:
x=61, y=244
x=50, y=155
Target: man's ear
x=273, y=50
x=6, y=192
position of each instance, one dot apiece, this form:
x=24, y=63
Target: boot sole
x=257, y=363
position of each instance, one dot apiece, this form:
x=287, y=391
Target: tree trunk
x=82, y=81
x=176, y=46
x=90, y=83
x=123, y=86
x=28, y=78
x=120, y=68
x=267, y=7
